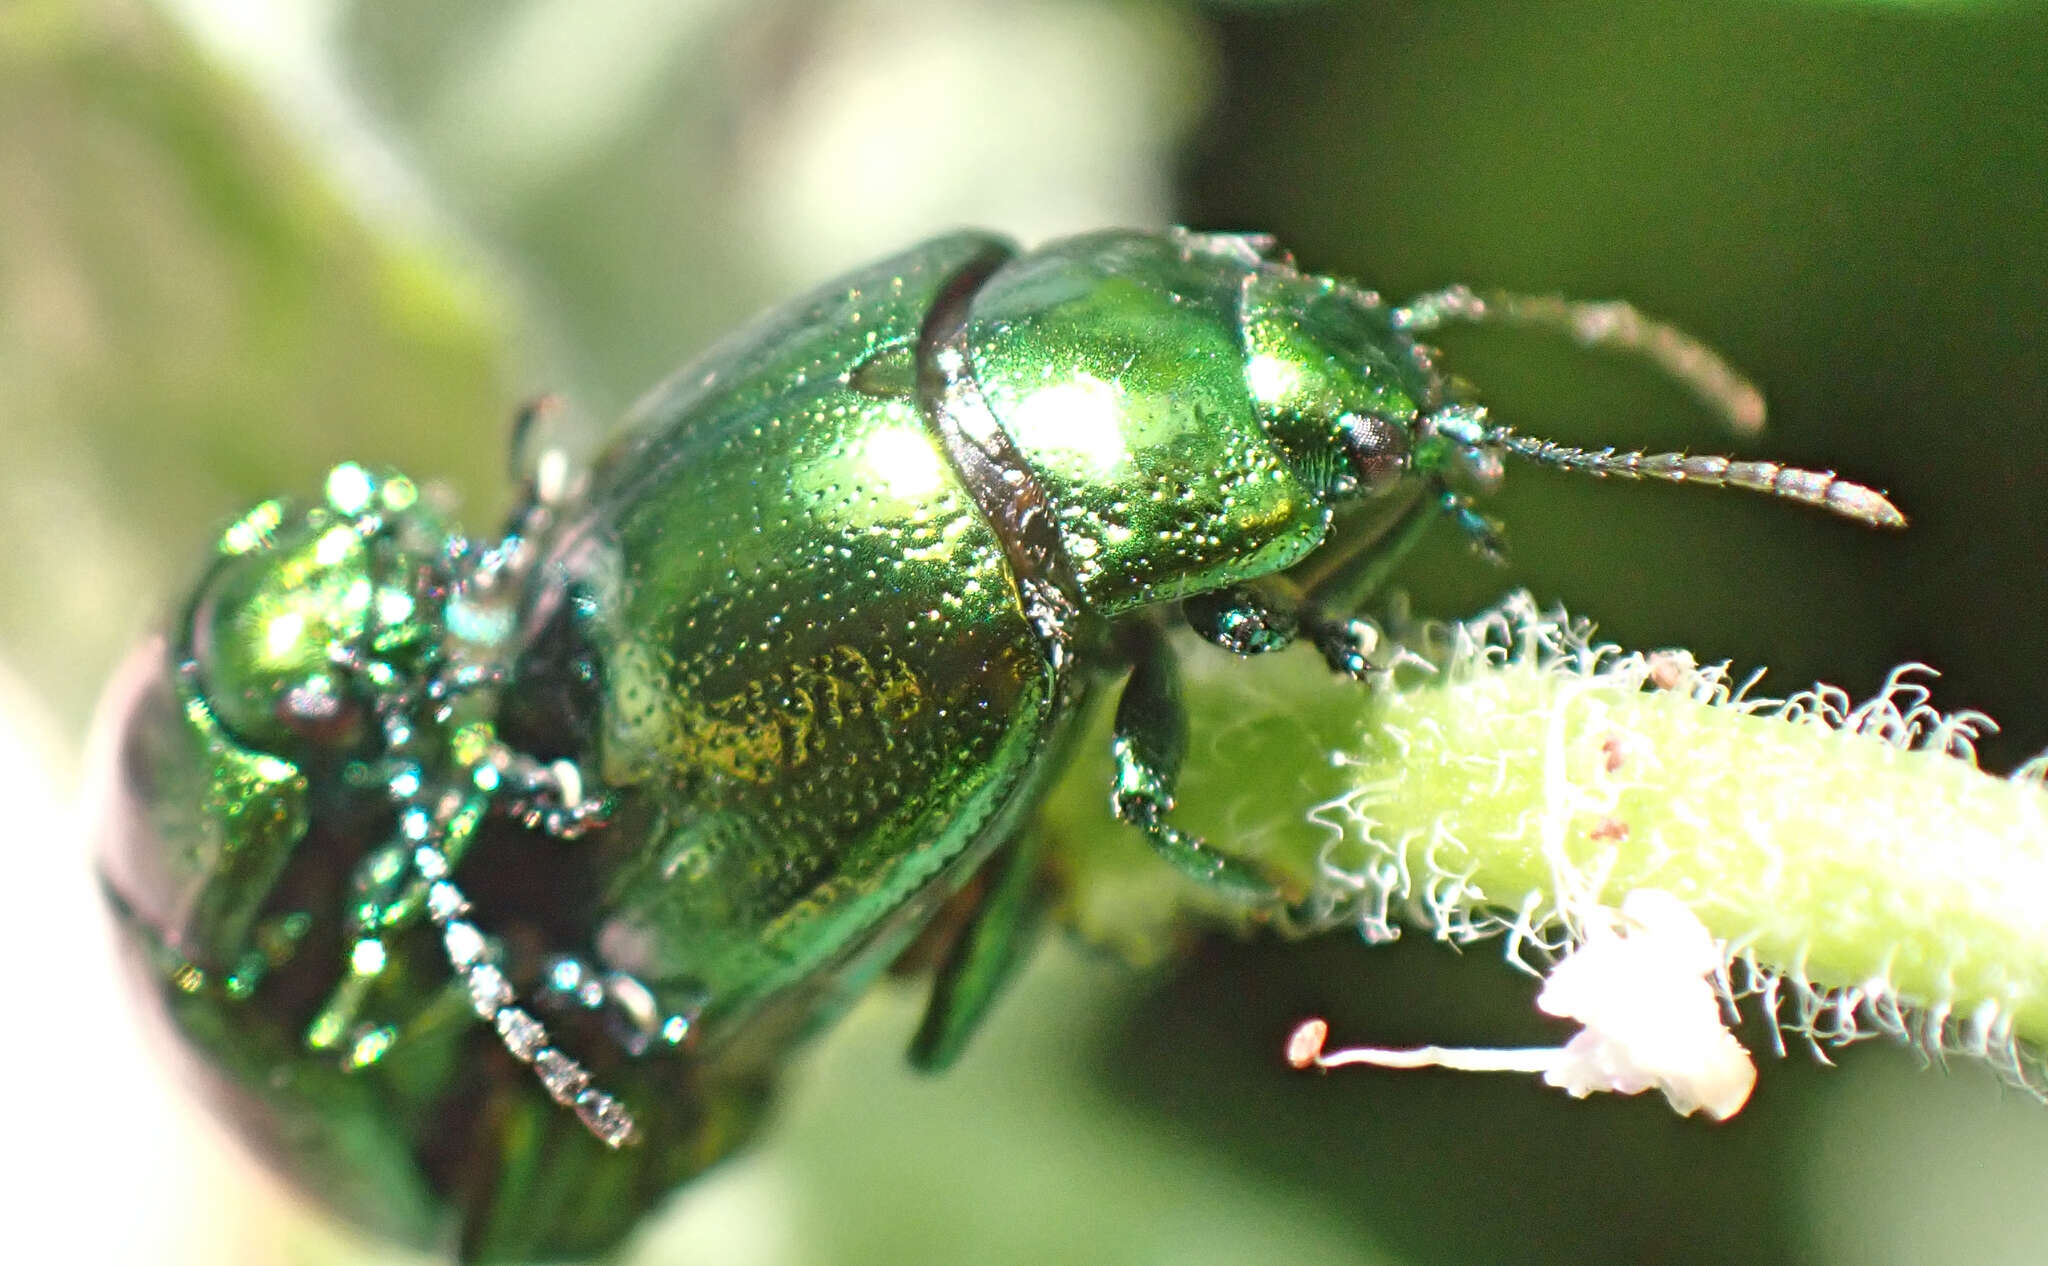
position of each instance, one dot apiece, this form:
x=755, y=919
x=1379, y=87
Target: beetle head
x=1334, y=384
x=308, y=614
x=1362, y=411
x=307, y=621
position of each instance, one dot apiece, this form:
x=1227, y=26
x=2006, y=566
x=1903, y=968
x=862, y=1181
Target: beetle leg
x=1346, y=572
x=635, y=1017
x=1148, y=743
x=1343, y=582
x=1248, y=619
x=1350, y=576
x=551, y=797
x=985, y=954
x=1483, y=532
x=1271, y=613
x=1347, y=645
x=1332, y=594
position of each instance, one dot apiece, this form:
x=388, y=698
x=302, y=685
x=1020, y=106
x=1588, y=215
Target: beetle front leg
x=1333, y=592
x=1272, y=613
x=1148, y=744
x=1347, y=573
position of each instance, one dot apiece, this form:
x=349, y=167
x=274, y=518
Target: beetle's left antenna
x=1609, y=324
x=1822, y=489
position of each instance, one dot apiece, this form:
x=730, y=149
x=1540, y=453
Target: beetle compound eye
x=1378, y=449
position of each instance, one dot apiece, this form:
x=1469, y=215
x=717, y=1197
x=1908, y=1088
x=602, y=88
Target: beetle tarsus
x=1346, y=645
x=1483, y=532
x=1242, y=619
x=552, y=797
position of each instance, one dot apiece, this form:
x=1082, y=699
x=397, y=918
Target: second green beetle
x=782, y=673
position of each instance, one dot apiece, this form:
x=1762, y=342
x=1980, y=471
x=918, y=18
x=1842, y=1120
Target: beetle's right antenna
x=490, y=993
x=1822, y=489
x=1608, y=324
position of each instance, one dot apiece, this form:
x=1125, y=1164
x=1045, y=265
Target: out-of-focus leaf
x=189, y=319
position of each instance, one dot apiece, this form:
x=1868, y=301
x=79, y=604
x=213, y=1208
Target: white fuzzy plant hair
x=1856, y=872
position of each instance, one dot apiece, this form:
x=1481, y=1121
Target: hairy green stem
x=1863, y=874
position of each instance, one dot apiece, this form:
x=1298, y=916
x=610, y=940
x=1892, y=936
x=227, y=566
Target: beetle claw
x=1347, y=646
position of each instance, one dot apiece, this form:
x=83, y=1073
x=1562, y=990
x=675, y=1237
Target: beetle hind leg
x=984, y=955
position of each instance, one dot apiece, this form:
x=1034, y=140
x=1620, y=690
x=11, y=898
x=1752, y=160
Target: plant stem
x=1863, y=874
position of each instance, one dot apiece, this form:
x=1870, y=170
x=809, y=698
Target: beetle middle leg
x=1148, y=744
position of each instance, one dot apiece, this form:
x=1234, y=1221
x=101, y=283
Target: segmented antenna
x=1609, y=324
x=1822, y=489
x=491, y=995
x=437, y=817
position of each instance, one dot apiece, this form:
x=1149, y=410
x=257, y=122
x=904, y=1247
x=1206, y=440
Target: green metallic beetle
x=663, y=778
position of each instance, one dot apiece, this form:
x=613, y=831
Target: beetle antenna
x=1822, y=489
x=522, y=1036
x=1609, y=324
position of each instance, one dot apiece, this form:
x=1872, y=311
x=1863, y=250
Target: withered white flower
x=1639, y=983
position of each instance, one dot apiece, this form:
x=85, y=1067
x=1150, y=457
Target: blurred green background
x=239, y=242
